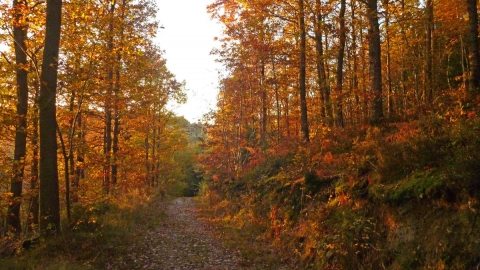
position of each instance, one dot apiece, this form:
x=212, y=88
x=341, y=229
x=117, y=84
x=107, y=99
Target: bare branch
x=6, y=58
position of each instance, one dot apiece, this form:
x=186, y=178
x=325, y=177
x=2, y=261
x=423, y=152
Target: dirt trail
x=180, y=241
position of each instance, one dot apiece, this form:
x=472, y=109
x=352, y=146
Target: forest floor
x=183, y=239
x=164, y=233
x=180, y=241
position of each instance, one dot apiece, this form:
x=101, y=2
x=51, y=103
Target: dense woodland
x=101, y=126
x=346, y=133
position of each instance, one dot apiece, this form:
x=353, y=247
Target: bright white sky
x=187, y=39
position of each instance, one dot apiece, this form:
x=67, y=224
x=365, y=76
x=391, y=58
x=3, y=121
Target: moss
x=432, y=184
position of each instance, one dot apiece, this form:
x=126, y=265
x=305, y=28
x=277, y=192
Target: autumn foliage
x=114, y=131
x=392, y=149
x=345, y=133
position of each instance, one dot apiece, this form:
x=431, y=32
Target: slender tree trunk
x=157, y=161
x=66, y=168
x=147, y=160
x=325, y=110
x=390, y=109
x=19, y=36
x=404, y=86
x=303, y=73
x=429, y=54
x=474, y=56
x=154, y=154
x=80, y=159
x=374, y=52
x=49, y=190
x=34, y=169
x=69, y=166
x=107, y=149
x=341, y=53
x=116, y=125
x=277, y=102
x=263, y=89
x=355, y=66
x=287, y=117
x=116, y=109
x=108, y=105
x=148, y=164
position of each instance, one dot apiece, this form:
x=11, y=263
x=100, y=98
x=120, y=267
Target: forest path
x=180, y=240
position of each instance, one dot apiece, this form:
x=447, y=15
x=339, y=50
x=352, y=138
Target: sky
x=187, y=37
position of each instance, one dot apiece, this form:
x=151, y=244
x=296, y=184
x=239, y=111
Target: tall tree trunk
x=80, y=158
x=69, y=166
x=429, y=54
x=263, y=89
x=148, y=177
x=66, y=168
x=107, y=147
x=154, y=152
x=116, y=109
x=325, y=110
x=49, y=191
x=287, y=116
x=116, y=124
x=34, y=168
x=19, y=36
x=148, y=164
x=390, y=109
x=355, y=67
x=474, y=56
x=303, y=73
x=341, y=53
x=157, y=160
x=374, y=52
x=277, y=102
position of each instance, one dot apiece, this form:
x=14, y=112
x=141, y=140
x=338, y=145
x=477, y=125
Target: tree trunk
x=107, y=138
x=263, y=125
x=154, y=158
x=80, y=159
x=49, y=191
x=116, y=109
x=157, y=160
x=277, y=102
x=326, y=110
x=374, y=52
x=148, y=166
x=341, y=53
x=354, y=76
x=303, y=73
x=19, y=36
x=473, y=43
x=390, y=109
x=116, y=124
x=34, y=169
x=66, y=174
x=429, y=54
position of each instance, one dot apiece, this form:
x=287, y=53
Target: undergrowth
x=247, y=238
x=99, y=233
x=398, y=196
